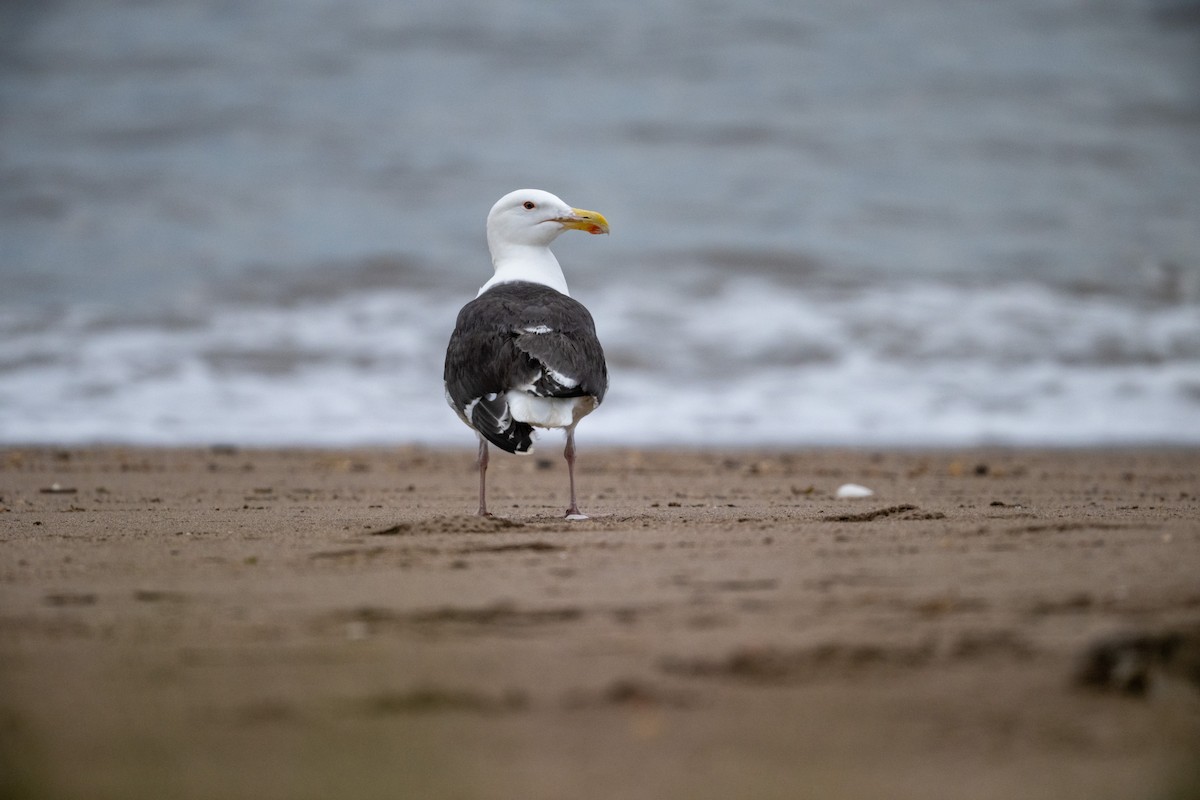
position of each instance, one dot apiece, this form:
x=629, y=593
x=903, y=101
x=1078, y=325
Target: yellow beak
x=584, y=220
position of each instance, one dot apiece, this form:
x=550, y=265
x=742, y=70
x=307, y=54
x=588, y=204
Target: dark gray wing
x=520, y=334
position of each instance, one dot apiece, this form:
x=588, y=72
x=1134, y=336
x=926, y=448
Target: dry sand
x=233, y=623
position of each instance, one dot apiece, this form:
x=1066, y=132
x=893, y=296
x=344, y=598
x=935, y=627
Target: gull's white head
x=520, y=228
x=533, y=218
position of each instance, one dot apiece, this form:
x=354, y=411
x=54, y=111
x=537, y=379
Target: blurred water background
x=854, y=222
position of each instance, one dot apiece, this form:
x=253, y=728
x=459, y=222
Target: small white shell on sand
x=576, y=517
x=852, y=490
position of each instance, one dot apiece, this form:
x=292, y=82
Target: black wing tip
x=491, y=418
x=518, y=438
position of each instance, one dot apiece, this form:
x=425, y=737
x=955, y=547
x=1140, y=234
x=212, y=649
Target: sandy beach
x=230, y=623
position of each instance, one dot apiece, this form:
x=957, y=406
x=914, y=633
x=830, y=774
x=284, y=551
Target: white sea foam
x=750, y=362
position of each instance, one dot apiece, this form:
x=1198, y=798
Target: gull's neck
x=533, y=263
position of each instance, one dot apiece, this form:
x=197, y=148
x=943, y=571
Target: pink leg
x=569, y=454
x=483, y=463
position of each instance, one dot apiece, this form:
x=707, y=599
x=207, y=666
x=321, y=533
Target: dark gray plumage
x=520, y=336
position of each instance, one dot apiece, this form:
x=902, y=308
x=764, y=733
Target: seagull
x=524, y=354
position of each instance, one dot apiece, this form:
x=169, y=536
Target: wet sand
x=311, y=624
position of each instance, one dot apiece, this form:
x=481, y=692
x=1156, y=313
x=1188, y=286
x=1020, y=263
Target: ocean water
x=833, y=223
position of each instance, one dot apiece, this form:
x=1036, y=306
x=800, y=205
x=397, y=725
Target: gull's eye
x=530, y=205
